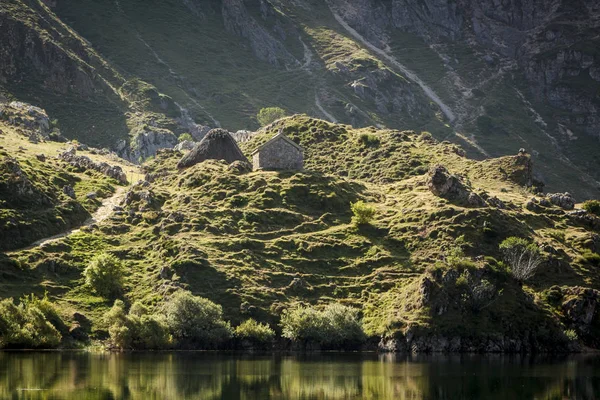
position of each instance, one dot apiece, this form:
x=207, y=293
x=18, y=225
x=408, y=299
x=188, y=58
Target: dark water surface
x=197, y=375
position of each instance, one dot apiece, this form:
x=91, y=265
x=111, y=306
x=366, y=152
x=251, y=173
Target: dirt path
x=429, y=92
x=99, y=215
x=325, y=113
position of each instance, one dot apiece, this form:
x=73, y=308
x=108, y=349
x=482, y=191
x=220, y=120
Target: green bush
x=196, y=320
x=26, y=325
x=185, y=136
x=592, y=206
x=104, y=274
x=254, y=332
x=363, y=213
x=368, y=140
x=270, y=114
x=137, y=329
x=335, y=327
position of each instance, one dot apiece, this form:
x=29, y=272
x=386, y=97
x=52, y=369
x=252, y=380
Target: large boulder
x=452, y=187
x=562, y=200
x=216, y=145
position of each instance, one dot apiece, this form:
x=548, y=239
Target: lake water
x=198, y=375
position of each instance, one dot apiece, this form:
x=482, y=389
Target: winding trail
x=102, y=213
x=327, y=115
x=429, y=92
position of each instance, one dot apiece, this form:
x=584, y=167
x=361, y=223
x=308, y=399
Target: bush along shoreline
x=188, y=322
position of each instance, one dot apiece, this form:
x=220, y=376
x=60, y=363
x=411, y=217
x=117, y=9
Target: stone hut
x=279, y=153
x=216, y=145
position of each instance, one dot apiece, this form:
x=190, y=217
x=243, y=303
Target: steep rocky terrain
x=425, y=273
x=493, y=77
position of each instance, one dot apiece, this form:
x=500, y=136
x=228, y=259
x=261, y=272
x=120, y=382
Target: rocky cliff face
x=48, y=64
x=553, y=42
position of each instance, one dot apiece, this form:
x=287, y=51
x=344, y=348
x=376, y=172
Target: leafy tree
x=27, y=325
x=524, y=258
x=270, y=114
x=363, y=213
x=196, y=320
x=104, y=274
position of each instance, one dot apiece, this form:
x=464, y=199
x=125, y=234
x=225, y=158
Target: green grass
x=273, y=239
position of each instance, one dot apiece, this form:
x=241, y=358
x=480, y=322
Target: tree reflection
x=197, y=375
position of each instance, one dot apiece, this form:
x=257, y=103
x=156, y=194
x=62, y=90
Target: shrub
x=571, y=335
x=590, y=257
x=523, y=257
x=270, y=114
x=558, y=234
x=363, y=213
x=368, y=140
x=256, y=333
x=138, y=329
x=196, y=320
x=185, y=136
x=104, y=275
x=335, y=327
x=592, y=206
x=26, y=325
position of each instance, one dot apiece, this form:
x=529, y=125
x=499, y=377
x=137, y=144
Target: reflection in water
x=79, y=375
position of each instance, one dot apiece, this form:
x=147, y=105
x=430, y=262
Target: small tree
x=523, y=257
x=363, y=213
x=270, y=114
x=104, y=274
x=186, y=136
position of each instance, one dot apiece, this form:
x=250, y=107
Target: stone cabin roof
x=280, y=136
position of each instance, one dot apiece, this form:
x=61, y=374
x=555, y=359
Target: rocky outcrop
x=19, y=189
x=185, y=145
x=582, y=312
x=562, y=200
x=452, y=187
x=146, y=141
x=85, y=163
x=25, y=115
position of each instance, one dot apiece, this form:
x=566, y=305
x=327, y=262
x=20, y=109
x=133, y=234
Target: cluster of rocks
x=19, y=187
x=26, y=116
x=85, y=163
x=563, y=201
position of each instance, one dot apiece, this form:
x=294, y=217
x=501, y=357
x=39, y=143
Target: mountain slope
x=493, y=78
x=425, y=272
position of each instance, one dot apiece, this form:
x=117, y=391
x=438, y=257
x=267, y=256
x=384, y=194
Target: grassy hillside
x=425, y=271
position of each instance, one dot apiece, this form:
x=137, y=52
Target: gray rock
x=86, y=163
x=184, y=145
x=69, y=191
x=562, y=200
x=449, y=186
